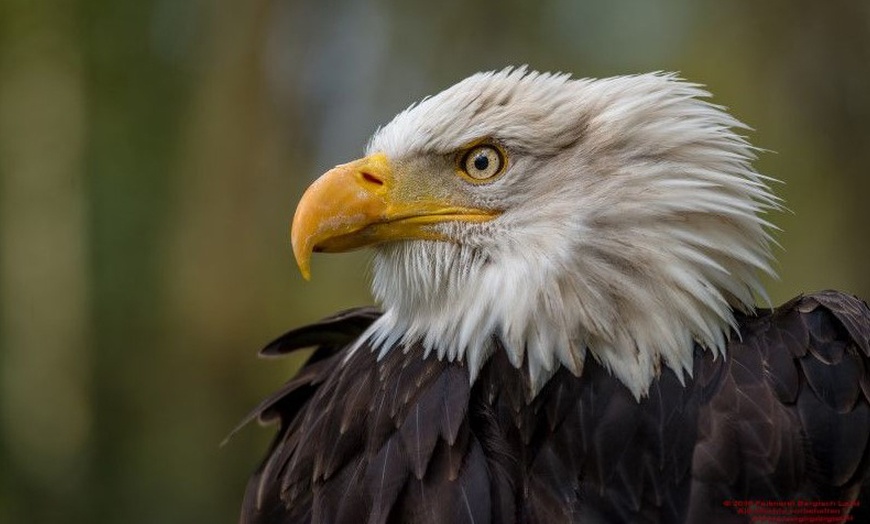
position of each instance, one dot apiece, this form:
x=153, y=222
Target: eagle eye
x=482, y=162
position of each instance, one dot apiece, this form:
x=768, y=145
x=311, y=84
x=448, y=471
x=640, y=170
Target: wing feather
x=406, y=438
x=790, y=416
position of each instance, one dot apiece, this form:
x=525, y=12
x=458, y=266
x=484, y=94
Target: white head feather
x=630, y=228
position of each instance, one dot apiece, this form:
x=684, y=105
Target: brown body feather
x=785, y=416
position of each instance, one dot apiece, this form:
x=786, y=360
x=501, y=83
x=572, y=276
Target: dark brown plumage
x=785, y=416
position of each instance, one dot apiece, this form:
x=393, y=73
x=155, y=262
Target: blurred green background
x=152, y=151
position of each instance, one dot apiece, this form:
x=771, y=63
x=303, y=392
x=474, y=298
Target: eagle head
x=553, y=218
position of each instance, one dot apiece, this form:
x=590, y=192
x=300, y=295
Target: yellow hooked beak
x=360, y=204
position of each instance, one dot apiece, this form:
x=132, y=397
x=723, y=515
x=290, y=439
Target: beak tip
x=302, y=254
x=303, y=260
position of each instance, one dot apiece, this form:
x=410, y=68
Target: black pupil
x=481, y=162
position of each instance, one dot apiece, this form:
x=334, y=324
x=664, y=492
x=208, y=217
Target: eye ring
x=482, y=162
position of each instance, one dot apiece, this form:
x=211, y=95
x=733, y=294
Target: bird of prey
x=566, y=272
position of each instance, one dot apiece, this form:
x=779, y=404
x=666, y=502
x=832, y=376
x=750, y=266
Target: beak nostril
x=368, y=177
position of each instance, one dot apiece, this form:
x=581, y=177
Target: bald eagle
x=567, y=273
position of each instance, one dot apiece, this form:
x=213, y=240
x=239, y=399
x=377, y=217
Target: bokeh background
x=152, y=151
